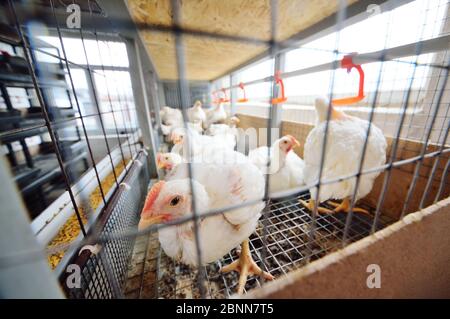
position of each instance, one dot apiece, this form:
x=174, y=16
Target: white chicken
x=346, y=137
x=196, y=114
x=195, y=126
x=286, y=167
x=168, y=161
x=230, y=127
x=171, y=116
x=172, y=119
x=199, y=143
x=240, y=182
x=215, y=115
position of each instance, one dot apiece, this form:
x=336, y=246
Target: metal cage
x=115, y=259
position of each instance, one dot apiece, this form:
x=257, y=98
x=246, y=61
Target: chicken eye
x=175, y=201
x=166, y=158
x=285, y=142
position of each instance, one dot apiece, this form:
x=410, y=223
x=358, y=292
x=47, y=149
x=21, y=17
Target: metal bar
x=339, y=18
x=273, y=93
x=23, y=143
x=120, y=103
x=441, y=185
x=9, y=136
x=111, y=106
x=146, y=102
x=233, y=94
x=428, y=46
x=143, y=267
x=394, y=148
x=96, y=102
x=11, y=156
x=361, y=162
x=78, y=107
x=425, y=140
x=32, y=279
x=435, y=165
x=185, y=102
x=280, y=62
x=108, y=93
x=29, y=58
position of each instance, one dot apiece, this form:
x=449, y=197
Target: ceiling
x=207, y=58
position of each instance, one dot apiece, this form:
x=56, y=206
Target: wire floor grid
x=152, y=274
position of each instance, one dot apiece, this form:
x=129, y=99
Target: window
x=113, y=86
x=261, y=92
x=75, y=53
x=115, y=94
x=415, y=21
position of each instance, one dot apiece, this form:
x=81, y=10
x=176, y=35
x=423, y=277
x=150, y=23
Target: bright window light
x=416, y=21
x=107, y=53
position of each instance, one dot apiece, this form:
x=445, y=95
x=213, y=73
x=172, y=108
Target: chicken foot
x=310, y=205
x=344, y=206
x=246, y=266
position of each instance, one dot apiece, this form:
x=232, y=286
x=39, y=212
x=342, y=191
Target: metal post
x=23, y=278
x=233, y=94
x=279, y=64
x=143, y=109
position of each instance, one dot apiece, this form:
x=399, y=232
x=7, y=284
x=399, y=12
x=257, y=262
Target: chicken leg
x=310, y=205
x=245, y=265
x=344, y=206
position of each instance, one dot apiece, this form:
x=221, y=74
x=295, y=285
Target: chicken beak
x=295, y=142
x=177, y=140
x=146, y=222
x=160, y=164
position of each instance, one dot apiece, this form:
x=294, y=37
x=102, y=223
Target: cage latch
x=279, y=82
x=347, y=63
x=244, y=98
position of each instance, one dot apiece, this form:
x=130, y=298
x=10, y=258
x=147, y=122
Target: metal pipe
x=427, y=46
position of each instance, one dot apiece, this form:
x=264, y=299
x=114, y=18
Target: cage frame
x=274, y=118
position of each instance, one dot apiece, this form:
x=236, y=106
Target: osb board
x=413, y=255
x=401, y=177
x=207, y=59
x=204, y=60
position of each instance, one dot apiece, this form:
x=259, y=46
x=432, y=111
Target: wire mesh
x=103, y=272
x=152, y=274
x=414, y=119
x=65, y=103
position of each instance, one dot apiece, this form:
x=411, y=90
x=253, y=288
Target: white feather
x=345, y=142
x=216, y=115
x=196, y=114
x=286, y=170
x=240, y=182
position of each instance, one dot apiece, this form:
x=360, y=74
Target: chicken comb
x=152, y=196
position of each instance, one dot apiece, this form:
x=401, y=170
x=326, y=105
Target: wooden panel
x=204, y=58
x=413, y=255
x=209, y=58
